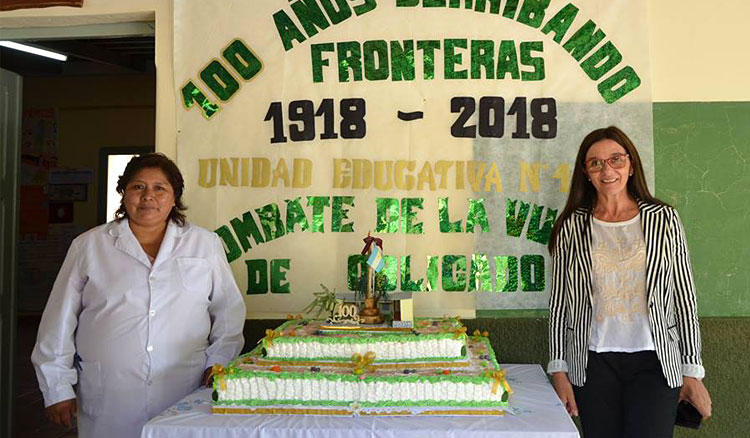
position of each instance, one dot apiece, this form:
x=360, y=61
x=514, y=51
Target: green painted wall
x=702, y=159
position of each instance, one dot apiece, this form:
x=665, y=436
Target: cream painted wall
x=699, y=50
x=114, y=11
x=691, y=41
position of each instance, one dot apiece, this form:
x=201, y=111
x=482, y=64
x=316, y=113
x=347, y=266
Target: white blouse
x=620, y=320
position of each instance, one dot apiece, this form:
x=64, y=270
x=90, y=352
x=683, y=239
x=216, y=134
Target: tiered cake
x=307, y=367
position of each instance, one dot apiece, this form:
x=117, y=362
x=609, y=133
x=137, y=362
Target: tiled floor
x=28, y=406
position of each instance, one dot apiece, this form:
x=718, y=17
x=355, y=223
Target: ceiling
x=86, y=56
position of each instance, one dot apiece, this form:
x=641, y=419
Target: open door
x=10, y=135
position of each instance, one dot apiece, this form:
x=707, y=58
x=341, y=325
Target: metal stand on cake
x=370, y=314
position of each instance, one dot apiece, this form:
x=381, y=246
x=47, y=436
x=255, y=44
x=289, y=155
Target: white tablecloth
x=538, y=414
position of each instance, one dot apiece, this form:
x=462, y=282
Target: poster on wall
x=447, y=128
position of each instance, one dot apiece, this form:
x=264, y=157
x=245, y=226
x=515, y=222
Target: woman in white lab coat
x=141, y=309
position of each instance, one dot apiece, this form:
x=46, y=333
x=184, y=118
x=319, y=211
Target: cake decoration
x=351, y=360
x=362, y=363
x=370, y=313
x=360, y=371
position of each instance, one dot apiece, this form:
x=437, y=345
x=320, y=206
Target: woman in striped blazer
x=623, y=329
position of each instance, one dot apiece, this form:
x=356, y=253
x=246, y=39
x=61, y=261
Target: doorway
x=103, y=97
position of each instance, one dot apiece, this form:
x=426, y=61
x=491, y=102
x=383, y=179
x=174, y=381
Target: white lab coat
x=144, y=333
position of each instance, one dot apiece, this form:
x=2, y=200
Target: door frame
x=10, y=163
x=11, y=158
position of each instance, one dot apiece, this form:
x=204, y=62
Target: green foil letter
x=481, y=5
x=560, y=23
x=287, y=30
x=376, y=60
x=477, y=216
x=242, y=59
x=387, y=219
x=626, y=80
x=295, y=215
x=409, y=216
x=509, y=11
x=310, y=16
x=338, y=13
x=191, y=94
x=219, y=80
x=231, y=249
x=538, y=73
x=537, y=231
x=257, y=276
x=507, y=60
x=451, y=59
x=601, y=61
x=514, y=222
x=532, y=273
x=506, y=273
x=428, y=55
x=277, y=276
x=432, y=272
x=402, y=60
x=480, y=278
x=245, y=228
x=349, y=57
x=482, y=58
x=406, y=282
x=318, y=203
x=390, y=271
x=532, y=12
x=449, y=283
x=339, y=213
x=270, y=221
x=316, y=57
x=583, y=40
x=365, y=7
x=446, y=226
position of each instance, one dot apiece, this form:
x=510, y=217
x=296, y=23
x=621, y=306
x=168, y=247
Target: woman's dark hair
x=154, y=161
x=582, y=191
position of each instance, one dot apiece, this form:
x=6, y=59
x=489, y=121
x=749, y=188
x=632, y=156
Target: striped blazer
x=669, y=287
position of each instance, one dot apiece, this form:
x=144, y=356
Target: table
x=538, y=413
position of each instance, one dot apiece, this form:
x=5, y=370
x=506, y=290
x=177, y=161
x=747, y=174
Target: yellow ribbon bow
x=217, y=372
x=449, y=317
x=361, y=362
x=289, y=316
x=270, y=336
x=498, y=377
x=458, y=331
x=477, y=333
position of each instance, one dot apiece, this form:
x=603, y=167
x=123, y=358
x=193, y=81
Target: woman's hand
x=62, y=413
x=564, y=390
x=208, y=377
x=696, y=394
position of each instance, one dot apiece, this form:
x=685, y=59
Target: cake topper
x=370, y=314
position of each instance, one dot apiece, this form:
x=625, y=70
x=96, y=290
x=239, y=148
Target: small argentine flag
x=376, y=259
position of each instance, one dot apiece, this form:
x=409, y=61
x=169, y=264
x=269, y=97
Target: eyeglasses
x=617, y=161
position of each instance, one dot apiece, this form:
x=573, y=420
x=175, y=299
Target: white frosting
x=262, y=388
x=384, y=351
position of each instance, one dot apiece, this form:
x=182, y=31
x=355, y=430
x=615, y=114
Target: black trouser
x=626, y=395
